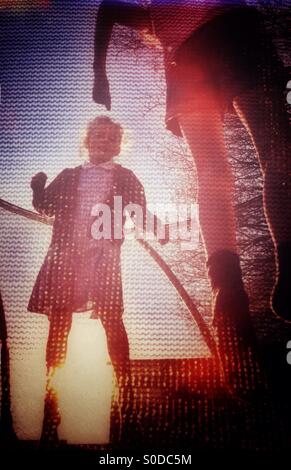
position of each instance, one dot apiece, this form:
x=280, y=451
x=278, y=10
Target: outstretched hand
x=101, y=93
x=38, y=181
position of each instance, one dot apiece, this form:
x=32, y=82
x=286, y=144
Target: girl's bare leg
x=264, y=115
x=118, y=347
x=56, y=351
x=203, y=131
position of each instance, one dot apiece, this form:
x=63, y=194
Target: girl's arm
x=45, y=200
x=143, y=218
x=109, y=13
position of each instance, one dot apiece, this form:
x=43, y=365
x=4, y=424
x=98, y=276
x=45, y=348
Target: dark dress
x=62, y=285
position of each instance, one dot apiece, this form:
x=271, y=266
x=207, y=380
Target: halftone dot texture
x=180, y=395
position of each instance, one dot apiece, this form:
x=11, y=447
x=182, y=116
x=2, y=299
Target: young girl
x=81, y=273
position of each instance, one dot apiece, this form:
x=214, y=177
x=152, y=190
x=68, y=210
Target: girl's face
x=103, y=142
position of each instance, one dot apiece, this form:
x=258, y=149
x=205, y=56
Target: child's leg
x=265, y=117
x=203, y=131
x=118, y=346
x=56, y=350
x=266, y=120
x=118, y=349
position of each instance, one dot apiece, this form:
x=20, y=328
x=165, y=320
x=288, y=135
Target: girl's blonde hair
x=96, y=122
x=92, y=124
